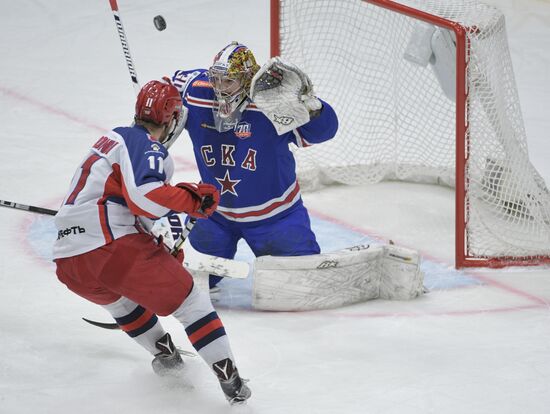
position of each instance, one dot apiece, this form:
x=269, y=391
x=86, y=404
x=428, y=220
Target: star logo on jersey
x=228, y=185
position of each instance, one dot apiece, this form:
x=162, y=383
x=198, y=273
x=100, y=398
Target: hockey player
x=243, y=149
x=104, y=255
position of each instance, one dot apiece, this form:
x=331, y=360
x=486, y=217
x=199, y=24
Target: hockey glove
x=206, y=198
x=284, y=94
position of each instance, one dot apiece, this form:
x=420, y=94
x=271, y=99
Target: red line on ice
x=536, y=300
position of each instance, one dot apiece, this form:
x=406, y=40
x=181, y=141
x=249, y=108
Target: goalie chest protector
x=250, y=164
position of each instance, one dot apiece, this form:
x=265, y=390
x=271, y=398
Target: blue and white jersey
x=251, y=165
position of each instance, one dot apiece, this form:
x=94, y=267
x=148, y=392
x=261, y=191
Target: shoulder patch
x=243, y=130
x=201, y=84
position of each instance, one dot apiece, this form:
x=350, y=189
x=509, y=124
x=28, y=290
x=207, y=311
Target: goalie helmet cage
x=398, y=121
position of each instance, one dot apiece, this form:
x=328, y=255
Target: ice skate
x=168, y=361
x=233, y=386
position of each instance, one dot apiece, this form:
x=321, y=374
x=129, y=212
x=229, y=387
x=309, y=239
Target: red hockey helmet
x=158, y=102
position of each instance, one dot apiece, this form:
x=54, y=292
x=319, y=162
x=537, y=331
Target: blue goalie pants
x=287, y=235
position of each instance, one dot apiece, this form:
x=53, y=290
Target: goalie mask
x=230, y=75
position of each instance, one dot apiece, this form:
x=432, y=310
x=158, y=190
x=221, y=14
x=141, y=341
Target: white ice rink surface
x=479, y=343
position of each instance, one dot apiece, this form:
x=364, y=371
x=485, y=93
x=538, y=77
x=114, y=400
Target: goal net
x=425, y=92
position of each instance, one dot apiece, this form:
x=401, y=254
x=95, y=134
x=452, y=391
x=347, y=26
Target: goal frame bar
x=462, y=256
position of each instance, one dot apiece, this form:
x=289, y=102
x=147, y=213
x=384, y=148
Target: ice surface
x=479, y=342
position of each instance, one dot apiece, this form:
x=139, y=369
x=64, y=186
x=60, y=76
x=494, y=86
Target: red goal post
x=502, y=206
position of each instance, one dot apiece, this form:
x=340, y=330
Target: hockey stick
x=135, y=83
x=194, y=260
x=222, y=265
x=104, y=325
x=116, y=327
x=34, y=209
x=203, y=262
x=174, y=252
x=125, y=46
x=211, y=264
x=183, y=236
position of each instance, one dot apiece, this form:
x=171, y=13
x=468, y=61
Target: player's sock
x=203, y=327
x=207, y=335
x=139, y=323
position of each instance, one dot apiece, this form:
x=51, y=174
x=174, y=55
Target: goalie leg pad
x=320, y=281
x=331, y=280
x=401, y=277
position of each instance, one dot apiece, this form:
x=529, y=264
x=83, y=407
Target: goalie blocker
x=336, y=279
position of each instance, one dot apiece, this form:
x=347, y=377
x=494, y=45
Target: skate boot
x=168, y=361
x=234, y=387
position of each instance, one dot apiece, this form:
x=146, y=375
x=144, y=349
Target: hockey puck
x=159, y=22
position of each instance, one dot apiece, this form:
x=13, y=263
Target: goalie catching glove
x=285, y=95
x=206, y=198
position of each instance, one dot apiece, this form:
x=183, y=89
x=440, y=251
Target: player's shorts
x=133, y=266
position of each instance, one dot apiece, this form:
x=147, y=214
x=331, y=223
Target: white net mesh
x=396, y=122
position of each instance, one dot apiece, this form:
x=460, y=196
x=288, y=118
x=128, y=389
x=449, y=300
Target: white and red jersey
x=126, y=174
